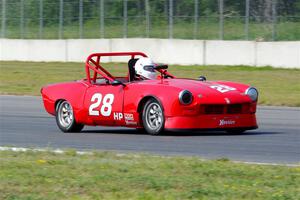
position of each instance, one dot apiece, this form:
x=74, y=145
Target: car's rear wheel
x=65, y=118
x=153, y=117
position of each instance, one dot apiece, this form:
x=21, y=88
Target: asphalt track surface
x=24, y=123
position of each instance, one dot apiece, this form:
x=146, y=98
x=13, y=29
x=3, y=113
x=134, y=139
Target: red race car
x=149, y=98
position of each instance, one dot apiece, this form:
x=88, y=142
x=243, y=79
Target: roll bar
x=93, y=63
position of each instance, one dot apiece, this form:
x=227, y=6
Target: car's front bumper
x=222, y=122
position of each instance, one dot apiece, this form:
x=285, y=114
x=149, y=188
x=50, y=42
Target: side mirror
x=158, y=67
x=117, y=82
x=201, y=78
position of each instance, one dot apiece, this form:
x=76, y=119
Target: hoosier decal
x=226, y=122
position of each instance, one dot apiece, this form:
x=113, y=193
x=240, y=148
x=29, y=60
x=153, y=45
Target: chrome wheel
x=65, y=118
x=153, y=117
x=65, y=114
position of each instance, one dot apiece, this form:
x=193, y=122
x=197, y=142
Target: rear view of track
x=24, y=123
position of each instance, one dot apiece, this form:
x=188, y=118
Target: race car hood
x=211, y=92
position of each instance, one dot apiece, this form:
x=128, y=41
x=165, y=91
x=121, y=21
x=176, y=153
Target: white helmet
x=145, y=67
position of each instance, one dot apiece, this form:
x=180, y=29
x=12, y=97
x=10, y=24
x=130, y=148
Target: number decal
x=98, y=98
x=222, y=88
x=105, y=108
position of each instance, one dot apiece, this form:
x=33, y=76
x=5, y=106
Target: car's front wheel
x=65, y=118
x=153, y=117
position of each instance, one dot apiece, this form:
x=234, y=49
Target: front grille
x=217, y=109
x=234, y=109
x=214, y=109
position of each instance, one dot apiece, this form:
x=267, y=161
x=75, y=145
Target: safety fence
x=261, y=20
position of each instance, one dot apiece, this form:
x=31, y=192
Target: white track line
x=59, y=151
x=262, y=163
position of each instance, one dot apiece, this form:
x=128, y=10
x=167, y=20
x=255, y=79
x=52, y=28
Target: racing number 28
x=106, y=104
x=222, y=88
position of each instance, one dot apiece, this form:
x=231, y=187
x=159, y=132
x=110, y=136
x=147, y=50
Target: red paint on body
x=208, y=108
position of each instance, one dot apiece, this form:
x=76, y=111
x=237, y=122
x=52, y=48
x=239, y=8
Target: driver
x=144, y=69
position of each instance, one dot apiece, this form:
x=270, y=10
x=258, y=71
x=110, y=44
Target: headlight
x=185, y=97
x=252, y=93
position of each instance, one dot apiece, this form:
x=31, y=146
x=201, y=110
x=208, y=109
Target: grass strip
x=286, y=29
x=108, y=175
x=277, y=86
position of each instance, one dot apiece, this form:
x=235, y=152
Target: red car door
x=104, y=104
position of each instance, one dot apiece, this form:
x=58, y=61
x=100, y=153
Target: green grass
x=107, y=175
x=276, y=86
x=183, y=28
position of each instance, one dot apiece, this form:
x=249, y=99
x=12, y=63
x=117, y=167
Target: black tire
x=153, y=117
x=65, y=118
x=235, y=131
